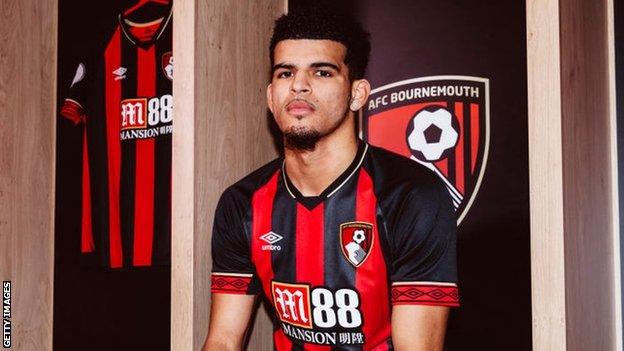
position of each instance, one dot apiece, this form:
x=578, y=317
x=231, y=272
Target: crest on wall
x=441, y=122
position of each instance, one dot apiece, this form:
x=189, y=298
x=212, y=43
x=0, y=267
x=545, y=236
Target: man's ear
x=360, y=90
x=270, y=97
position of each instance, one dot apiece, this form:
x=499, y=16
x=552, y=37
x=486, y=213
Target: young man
x=352, y=247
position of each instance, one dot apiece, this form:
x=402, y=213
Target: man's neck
x=311, y=172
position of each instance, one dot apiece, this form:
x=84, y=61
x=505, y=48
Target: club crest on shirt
x=167, y=65
x=441, y=122
x=356, y=241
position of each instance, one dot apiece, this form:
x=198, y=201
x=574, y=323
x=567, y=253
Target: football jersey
x=123, y=97
x=331, y=266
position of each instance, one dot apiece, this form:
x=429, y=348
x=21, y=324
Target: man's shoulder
x=401, y=182
x=395, y=170
x=246, y=186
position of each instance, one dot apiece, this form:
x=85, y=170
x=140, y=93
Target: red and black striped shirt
x=123, y=97
x=332, y=266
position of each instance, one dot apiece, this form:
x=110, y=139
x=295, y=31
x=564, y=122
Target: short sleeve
x=424, y=268
x=73, y=107
x=232, y=270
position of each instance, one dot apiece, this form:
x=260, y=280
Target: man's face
x=310, y=89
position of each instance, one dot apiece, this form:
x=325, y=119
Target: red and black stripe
x=126, y=184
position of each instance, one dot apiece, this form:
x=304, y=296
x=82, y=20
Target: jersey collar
x=312, y=201
x=126, y=30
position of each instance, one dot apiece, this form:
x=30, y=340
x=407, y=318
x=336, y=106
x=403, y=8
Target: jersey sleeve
x=232, y=269
x=424, y=269
x=73, y=107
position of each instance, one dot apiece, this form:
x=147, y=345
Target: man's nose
x=300, y=83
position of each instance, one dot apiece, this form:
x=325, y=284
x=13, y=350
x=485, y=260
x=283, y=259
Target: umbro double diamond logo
x=271, y=238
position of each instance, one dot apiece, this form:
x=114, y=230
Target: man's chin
x=301, y=139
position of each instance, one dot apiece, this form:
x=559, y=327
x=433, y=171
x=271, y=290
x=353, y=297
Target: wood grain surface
x=546, y=177
x=27, y=140
x=571, y=126
x=221, y=134
x=587, y=182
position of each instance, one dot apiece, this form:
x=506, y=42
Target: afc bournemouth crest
x=441, y=122
x=167, y=65
x=356, y=241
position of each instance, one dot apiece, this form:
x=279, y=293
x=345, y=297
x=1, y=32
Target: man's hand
x=418, y=327
x=229, y=316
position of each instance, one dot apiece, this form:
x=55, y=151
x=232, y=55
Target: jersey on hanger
x=123, y=96
x=332, y=266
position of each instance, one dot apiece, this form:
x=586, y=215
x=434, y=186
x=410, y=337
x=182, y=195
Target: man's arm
x=229, y=316
x=418, y=327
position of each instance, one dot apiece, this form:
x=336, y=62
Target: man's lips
x=299, y=107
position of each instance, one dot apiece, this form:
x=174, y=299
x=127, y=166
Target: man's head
x=318, y=62
x=319, y=24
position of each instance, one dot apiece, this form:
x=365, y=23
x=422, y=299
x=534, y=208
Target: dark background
x=484, y=38
x=95, y=309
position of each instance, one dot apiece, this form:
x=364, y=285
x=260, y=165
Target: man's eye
x=322, y=73
x=284, y=74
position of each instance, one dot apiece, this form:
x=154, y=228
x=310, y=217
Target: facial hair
x=302, y=139
x=305, y=139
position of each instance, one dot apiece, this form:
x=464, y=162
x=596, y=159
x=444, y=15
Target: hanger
x=142, y=3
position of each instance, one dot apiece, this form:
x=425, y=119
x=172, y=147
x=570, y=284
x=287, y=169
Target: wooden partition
x=27, y=139
x=573, y=178
x=221, y=134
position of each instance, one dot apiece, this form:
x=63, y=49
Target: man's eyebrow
x=313, y=65
x=283, y=65
x=325, y=64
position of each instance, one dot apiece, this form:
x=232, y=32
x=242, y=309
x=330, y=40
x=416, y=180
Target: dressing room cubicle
x=538, y=237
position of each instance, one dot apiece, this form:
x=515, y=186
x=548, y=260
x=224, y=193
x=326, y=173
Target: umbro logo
x=271, y=238
x=120, y=73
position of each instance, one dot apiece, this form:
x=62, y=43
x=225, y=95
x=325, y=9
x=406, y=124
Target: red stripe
x=310, y=245
x=474, y=137
x=430, y=294
x=262, y=211
x=310, y=252
x=371, y=276
x=229, y=284
x=459, y=149
x=144, y=183
x=113, y=99
x=86, y=242
x=73, y=111
x=443, y=166
x=281, y=341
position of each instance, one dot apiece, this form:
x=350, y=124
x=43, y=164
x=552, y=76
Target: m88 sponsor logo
x=146, y=118
x=335, y=311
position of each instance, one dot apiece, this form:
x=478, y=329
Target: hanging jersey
x=123, y=96
x=332, y=266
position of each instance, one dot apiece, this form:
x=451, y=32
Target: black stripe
x=98, y=161
x=339, y=273
x=128, y=155
x=161, y=253
x=339, y=208
x=283, y=222
x=451, y=158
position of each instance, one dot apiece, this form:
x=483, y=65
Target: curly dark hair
x=321, y=24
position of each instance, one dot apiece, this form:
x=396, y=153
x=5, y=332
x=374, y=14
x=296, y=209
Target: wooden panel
x=572, y=169
x=546, y=179
x=615, y=207
x=587, y=182
x=221, y=134
x=27, y=131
